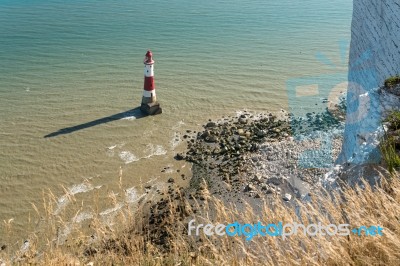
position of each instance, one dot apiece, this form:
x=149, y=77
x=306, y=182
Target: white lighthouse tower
x=149, y=104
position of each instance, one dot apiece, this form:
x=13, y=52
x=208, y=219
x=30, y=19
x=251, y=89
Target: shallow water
x=77, y=66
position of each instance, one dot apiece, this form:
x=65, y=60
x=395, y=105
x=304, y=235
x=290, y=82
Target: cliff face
x=374, y=56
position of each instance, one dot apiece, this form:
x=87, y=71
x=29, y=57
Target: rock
x=261, y=133
x=242, y=138
x=276, y=130
x=179, y=156
x=248, y=134
x=249, y=187
x=205, y=134
x=270, y=191
x=171, y=180
x=241, y=132
x=287, y=197
x=242, y=120
x=212, y=139
x=216, y=151
x=257, y=178
x=211, y=124
x=274, y=180
x=224, y=150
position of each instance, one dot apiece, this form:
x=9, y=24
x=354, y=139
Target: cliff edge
x=374, y=56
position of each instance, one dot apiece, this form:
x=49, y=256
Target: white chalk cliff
x=374, y=56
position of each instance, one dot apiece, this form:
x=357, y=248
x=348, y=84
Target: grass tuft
x=389, y=154
x=393, y=119
x=390, y=142
x=392, y=81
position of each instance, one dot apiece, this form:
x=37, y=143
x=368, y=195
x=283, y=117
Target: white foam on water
x=131, y=195
x=80, y=188
x=25, y=246
x=129, y=118
x=155, y=150
x=76, y=221
x=64, y=200
x=128, y=157
x=108, y=215
x=73, y=224
x=112, y=147
x=176, y=139
x=82, y=217
x=160, y=150
x=64, y=234
x=112, y=210
x=152, y=150
x=241, y=112
x=110, y=150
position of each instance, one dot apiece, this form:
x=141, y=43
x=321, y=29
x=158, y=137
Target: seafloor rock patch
x=248, y=158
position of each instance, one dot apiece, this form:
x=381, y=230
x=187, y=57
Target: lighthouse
x=149, y=105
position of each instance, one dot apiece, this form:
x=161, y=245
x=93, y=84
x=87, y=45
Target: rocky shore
x=246, y=159
x=264, y=154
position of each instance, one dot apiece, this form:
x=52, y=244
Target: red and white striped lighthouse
x=149, y=90
x=149, y=101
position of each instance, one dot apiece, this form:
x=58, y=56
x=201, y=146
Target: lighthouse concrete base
x=153, y=108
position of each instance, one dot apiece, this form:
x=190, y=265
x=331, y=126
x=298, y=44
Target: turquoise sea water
x=67, y=63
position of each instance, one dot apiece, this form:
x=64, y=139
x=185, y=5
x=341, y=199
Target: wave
x=128, y=157
x=155, y=150
x=64, y=200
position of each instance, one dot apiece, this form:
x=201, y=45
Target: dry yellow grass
x=130, y=244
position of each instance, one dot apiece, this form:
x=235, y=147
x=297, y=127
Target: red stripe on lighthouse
x=149, y=83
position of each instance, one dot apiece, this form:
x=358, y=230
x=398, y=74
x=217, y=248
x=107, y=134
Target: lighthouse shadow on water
x=136, y=113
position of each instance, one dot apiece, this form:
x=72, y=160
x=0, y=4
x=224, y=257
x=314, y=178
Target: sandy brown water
x=78, y=67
